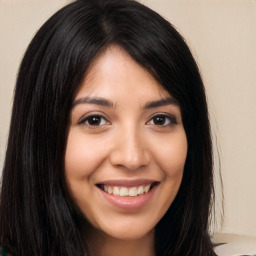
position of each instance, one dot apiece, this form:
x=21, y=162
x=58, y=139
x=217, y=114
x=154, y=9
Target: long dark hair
x=37, y=215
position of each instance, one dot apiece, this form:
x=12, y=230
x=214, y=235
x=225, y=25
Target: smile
x=126, y=191
x=128, y=194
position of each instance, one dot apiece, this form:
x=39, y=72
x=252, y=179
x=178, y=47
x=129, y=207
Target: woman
x=109, y=151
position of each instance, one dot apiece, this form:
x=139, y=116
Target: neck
x=105, y=245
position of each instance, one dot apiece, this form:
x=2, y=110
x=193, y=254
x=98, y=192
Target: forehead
x=115, y=73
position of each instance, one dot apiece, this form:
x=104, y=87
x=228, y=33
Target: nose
x=129, y=150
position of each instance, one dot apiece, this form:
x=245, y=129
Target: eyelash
x=171, y=120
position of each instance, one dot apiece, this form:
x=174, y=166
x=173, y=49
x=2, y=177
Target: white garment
x=235, y=245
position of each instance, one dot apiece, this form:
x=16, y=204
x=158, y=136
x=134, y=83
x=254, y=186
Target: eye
x=162, y=120
x=94, y=121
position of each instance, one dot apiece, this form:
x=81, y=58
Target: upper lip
x=127, y=183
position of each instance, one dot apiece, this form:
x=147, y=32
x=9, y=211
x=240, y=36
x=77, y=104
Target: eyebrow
x=94, y=100
x=107, y=103
x=161, y=102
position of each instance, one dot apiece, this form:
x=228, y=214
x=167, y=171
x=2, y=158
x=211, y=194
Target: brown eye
x=159, y=120
x=93, y=121
x=163, y=120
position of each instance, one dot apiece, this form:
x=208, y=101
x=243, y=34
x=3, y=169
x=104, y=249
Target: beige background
x=222, y=36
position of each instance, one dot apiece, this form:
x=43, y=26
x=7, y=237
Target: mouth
x=128, y=195
x=127, y=191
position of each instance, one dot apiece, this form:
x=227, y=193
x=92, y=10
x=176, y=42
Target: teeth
x=140, y=190
x=116, y=191
x=125, y=191
x=109, y=190
x=133, y=191
x=146, y=189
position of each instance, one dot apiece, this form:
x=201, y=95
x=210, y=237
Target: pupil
x=94, y=120
x=159, y=120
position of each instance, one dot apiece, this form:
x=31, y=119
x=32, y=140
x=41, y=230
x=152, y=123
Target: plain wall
x=222, y=36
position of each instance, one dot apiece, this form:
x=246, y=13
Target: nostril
x=131, y=161
x=129, y=152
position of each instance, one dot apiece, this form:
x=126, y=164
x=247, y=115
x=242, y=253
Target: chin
x=129, y=232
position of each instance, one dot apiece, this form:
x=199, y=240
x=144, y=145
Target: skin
x=128, y=142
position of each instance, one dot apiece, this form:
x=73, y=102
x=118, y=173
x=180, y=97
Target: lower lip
x=129, y=203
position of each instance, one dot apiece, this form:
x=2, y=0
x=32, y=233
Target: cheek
x=171, y=155
x=171, y=162
x=83, y=155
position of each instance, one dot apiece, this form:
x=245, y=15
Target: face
x=126, y=147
